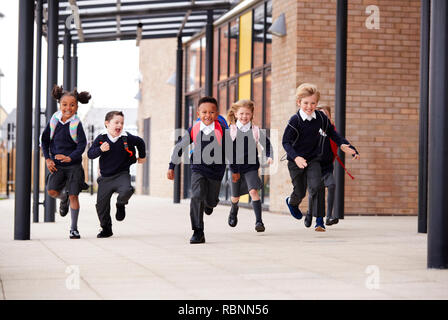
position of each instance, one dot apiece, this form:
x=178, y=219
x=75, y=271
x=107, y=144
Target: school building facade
x=251, y=63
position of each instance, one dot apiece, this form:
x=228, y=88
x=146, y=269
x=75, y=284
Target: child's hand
x=300, y=162
x=346, y=148
x=235, y=177
x=269, y=161
x=51, y=166
x=63, y=158
x=141, y=160
x=105, y=147
x=170, y=174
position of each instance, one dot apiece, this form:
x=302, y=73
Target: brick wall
x=382, y=95
x=157, y=64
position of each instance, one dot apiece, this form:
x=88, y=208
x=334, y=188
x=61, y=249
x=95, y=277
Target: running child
x=63, y=142
x=116, y=150
x=207, y=164
x=303, y=141
x=245, y=164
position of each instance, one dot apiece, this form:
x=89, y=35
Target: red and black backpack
x=131, y=150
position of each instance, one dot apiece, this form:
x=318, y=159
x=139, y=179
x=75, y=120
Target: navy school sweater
x=242, y=163
x=212, y=168
x=306, y=138
x=116, y=159
x=62, y=143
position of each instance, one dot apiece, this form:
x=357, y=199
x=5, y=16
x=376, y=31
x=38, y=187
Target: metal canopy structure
x=71, y=22
x=109, y=20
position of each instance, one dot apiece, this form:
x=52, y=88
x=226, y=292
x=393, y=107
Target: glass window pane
x=232, y=92
x=222, y=98
x=223, y=53
x=234, y=26
x=268, y=35
x=215, y=91
x=202, y=61
x=193, y=66
x=215, y=56
x=258, y=36
x=267, y=108
x=257, y=98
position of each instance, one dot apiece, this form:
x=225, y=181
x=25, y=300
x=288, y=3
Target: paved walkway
x=149, y=257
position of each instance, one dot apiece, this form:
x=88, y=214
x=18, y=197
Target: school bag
x=131, y=150
x=218, y=129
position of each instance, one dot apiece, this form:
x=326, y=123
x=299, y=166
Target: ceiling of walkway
x=107, y=20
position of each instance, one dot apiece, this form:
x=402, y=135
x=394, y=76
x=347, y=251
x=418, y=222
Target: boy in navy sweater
x=116, y=150
x=207, y=163
x=303, y=141
x=63, y=142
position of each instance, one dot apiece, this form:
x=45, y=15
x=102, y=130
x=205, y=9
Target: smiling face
x=68, y=106
x=207, y=112
x=115, y=125
x=308, y=104
x=244, y=115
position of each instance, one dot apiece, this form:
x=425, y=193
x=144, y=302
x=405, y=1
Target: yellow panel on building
x=245, y=54
x=244, y=87
x=245, y=64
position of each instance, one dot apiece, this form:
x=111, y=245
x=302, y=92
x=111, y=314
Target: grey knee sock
x=257, y=208
x=74, y=213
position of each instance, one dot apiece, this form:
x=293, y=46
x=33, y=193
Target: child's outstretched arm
x=141, y=148
x=45, y=146
x=177, y=153
x=267, y=147
x=95, y=149
x=81, y=146
x=290, y=137
x=342, y=142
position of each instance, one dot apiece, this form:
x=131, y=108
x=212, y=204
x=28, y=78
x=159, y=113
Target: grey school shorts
x=248, y=181
x=71, y=177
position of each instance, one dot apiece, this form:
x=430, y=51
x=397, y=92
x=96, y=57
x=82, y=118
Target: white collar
x=59, y=116
x=207, y=129
x=112, y=139
x=243, y=127
x=304, y=116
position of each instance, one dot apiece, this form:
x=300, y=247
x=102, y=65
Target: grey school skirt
x=247, y=181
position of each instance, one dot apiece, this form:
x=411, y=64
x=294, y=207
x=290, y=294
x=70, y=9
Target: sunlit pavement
x=150, y=257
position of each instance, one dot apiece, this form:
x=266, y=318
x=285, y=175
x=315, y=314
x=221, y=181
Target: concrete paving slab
x=149, y=257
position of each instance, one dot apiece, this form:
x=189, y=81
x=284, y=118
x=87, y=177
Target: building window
x=241, y=70
x=194, y=66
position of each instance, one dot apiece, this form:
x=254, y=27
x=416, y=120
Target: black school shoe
x=74, y=234
x=64, y=205
x=308, y=220
x=121, y=212
x=105, y=233
x=208, y=211
x=233, y=220
x=331, y=221
x=259, y=227
x=198, y=237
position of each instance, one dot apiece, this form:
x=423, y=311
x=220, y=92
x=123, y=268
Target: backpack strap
x=102, y=138
x=197, y=128
x=233, y=131
x=73, y=126
x=126, y=146
x=256, y=133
